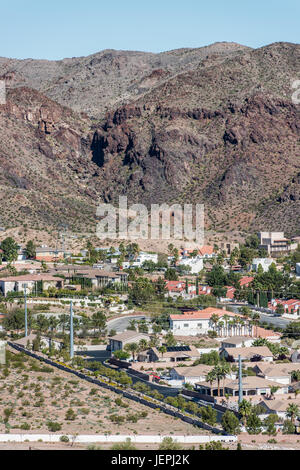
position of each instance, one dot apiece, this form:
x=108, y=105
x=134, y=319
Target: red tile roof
x=205, y=314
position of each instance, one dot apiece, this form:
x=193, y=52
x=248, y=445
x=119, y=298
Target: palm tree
x=245, y=409
x=133, y=348
x=230, y=325
x=219, y=372
x=214, y=320
x=143, y=345
x=242, y=325
x=226, y=319
x=162, y=350
x=211, y=377
x=255, y=319
x=293, y=412
x=220, y=327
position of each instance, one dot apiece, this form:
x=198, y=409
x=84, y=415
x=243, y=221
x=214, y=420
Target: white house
x=140, y=259
x=196, y=264
x=264, y=262
x=200, y=322
x=237, y=342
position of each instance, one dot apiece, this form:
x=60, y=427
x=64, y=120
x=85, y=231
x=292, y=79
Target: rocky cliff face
x=215, y=126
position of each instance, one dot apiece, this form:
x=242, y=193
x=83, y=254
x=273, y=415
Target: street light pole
x=71, y=331
x=25, y=304
x=240, y=381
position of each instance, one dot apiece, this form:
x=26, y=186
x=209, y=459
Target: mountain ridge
x=215, y=127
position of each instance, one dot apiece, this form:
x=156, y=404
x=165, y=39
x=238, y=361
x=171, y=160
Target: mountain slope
x=214, y=125
x=97, y=83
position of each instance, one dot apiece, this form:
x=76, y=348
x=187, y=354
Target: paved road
x=98, y=355
x=121, y=324
x=266, y=317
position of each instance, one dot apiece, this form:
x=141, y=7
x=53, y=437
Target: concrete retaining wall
x=99, y=438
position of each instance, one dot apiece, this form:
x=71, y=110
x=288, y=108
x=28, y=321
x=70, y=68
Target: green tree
x=209, y=415
x=10, y=249
x=171, y=274
x=121, y=355
x=288, y=427
x=269, y=422
x=216, y=277
x=30, y=249
x=230, y=423
x=254, y=424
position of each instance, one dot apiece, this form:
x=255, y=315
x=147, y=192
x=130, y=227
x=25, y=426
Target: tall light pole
x=240, y=380
x=71, y=331
x=25, y=304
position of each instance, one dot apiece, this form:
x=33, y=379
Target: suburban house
x=191, y=375
x=47, y=254
x=140, y=260
x=178, y=288
x=206, y=251
x=174, y=354
x=120, y=340
x=201, y=322
x=280, y=373
x=252, y=385
x=99, y=278
x=196, y=263
x=237, y=342
x=258, y=353
x=245, y=281
x=275, y=243
x=277, y=406
x=291, y=306
x=32, y=282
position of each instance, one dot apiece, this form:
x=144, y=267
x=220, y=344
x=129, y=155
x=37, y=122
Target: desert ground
x=32, y=396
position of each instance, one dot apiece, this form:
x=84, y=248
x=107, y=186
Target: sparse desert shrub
x=70, y=415
x=53, y=426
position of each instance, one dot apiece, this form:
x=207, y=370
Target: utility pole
x=71, y=331
x=25, y=305
x=240, y=381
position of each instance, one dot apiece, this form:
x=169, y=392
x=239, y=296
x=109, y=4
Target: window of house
x=186, y=325
x=199, y=325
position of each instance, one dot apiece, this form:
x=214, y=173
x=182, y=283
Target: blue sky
x=68, y=28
